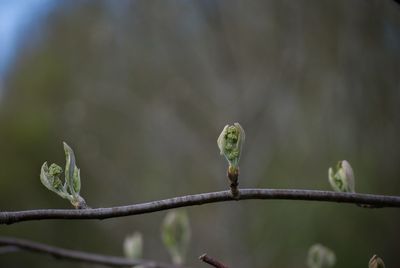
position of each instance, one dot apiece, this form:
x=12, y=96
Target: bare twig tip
x=212, y=261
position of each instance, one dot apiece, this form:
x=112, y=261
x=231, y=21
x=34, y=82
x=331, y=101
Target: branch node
x=233, y=176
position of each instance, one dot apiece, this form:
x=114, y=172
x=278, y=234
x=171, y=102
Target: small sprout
x=342, y=179
x=230, y=143
x=320, y=256
x=133, y=246
x=70, y=189
x=376, y=262
x=175, y=233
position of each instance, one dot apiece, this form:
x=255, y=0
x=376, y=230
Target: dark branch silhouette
x=211, y=261
x=11, y=244
x=365, y=200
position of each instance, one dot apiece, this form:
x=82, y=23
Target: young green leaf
x=176, y=235
x=133, y=246
x=77, y=180
x=70, y=167
x=376, y=262
x=45, y=177
x=50, y=178
x=320, y=256
x=342, y=178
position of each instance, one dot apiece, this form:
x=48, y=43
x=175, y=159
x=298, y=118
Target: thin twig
x=9, y=217
x=79, y=256
x=211, y=261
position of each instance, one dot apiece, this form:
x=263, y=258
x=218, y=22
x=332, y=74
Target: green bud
x=320, y=256
x=133, y=246
x=230, y=143
x=376, y=262
x=342, y=179
x=55, y=170
x=50, y=178
x=175, y=233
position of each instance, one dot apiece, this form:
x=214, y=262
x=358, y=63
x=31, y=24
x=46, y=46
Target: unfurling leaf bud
x=342, y=179
x=175, y=233
x=320, y=256
x=376, y=262
x=51, y=178
x=55, y=170
x=230, y=143
x=133, y=246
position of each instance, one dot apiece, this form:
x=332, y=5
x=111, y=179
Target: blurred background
x=141, y=90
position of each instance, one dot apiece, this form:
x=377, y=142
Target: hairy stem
x=233, y=176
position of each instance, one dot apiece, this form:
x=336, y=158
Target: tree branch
x=8, y=249
x=212, y=261
x=79, y=256
x=10, y=217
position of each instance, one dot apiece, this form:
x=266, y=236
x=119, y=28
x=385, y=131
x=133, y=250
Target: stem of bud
x=233, y=176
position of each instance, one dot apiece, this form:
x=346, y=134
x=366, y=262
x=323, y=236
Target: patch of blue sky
x=16, y=19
